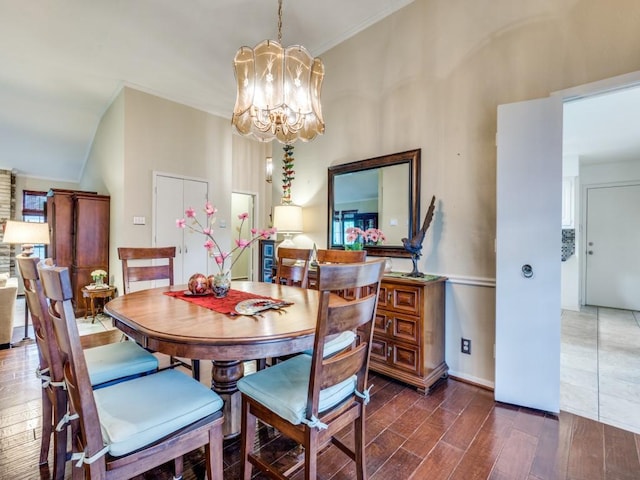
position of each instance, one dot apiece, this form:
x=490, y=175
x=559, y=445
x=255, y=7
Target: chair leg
x=248, y=429
x=178, y=467
x=311, y=455
x=195, y=369
x=47, y=427
x=358, y=432
x=213, y=452
x=59, y=438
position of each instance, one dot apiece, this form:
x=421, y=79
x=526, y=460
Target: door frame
x=254, y=217
x=600, y=87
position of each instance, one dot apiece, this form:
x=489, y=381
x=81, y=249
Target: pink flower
x=219, y=259
x=242, y=243
x=254, y=231
x=243, y=216
x=190, y=212
x=207, y=231
x=210, y=209
x=208, y=244
x=181, y=223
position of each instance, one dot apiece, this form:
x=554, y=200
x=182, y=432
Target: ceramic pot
x=220, y=283
x=198, y=284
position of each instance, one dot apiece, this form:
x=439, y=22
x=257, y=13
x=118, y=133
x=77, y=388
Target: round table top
x=181, y=328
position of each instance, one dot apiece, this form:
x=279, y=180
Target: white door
x=528, y=248
x=173, y=196
x=613, y=240
x=242, y=264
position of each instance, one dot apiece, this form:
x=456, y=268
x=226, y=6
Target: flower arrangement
x=212, y=246
x=357, y=238
x=98, y=276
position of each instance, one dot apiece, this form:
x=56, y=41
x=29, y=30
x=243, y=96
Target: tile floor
x=599, y=366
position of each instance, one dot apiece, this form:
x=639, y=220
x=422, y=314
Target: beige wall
x=141, y=134
x=431, y=76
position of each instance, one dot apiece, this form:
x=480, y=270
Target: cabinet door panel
x=406, y=358
x=380, y=323
x=379, y=349
x=406, y=328
x=406, y=299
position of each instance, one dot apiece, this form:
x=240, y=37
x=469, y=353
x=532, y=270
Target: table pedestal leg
x=224, y=378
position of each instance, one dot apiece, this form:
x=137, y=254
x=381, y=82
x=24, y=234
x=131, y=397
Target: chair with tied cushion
x=345, y=339
x=293, y=266
x=105, y=364
x=126, y=429
x=140, y=264
x=311, y=398
x=8, y=295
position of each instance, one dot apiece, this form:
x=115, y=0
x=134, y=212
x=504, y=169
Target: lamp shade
x=287, y=218
x=26, y=234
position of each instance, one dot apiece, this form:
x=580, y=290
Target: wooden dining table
x=177, y=327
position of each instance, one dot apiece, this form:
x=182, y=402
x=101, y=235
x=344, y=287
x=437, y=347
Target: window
x=33, y=210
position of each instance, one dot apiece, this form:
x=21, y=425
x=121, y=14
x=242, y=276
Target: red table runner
x=226, y=305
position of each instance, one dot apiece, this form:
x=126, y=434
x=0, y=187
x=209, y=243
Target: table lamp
x=288, y=220
x=26, y=234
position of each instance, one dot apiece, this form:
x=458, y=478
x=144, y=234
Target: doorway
x=612, y=263
x=243, y=267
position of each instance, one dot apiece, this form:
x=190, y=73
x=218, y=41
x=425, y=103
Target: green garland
x=288, y=174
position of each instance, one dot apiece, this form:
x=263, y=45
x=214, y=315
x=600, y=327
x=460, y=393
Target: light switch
x=139, y=220
x=393, y=222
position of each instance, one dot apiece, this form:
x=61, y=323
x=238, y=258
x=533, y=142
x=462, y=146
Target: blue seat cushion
x=336, y=344
x=138, y=412
x=118, y=360
x=283, y=389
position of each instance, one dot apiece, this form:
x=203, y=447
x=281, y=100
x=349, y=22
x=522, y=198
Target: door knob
x=590, y=252
x=527, y=271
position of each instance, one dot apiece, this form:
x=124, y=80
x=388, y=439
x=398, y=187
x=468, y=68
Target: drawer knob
x=388, y=324
x=389, y=349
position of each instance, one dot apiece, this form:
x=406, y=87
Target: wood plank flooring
x=457, y=432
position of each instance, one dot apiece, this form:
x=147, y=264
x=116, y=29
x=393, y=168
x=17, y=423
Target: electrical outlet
x=465, y=346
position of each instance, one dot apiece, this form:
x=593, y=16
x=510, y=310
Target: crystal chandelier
x=278, y=91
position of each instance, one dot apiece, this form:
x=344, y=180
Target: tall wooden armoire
x=79, y=226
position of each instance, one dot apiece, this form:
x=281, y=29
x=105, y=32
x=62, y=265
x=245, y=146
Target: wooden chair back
x=293, y=266
x=140, y=273
x=335, y=317
x=54, y=398
x=341, y=256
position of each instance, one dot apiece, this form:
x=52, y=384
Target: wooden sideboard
x=408, y=339
x=409, y=332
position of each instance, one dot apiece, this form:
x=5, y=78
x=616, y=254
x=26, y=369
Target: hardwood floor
x=457, y=432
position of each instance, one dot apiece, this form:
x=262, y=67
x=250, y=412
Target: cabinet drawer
x=379, y=349
x=397, y=326
x=400, y=298
x=405, y=357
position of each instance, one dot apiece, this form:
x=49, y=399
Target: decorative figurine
x=414, y=245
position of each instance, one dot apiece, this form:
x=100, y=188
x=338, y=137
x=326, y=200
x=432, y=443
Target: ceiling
x=63, y=62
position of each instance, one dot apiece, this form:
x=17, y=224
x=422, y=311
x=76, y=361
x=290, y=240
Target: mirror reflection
x=381, y=193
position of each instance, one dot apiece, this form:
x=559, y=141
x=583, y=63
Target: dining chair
x=136, y=267
x=126, y=429
x=293, y=266
x=346, y=338
x=105, y=364
x=309, y=399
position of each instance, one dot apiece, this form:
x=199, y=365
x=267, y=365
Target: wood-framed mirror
x=381, y=192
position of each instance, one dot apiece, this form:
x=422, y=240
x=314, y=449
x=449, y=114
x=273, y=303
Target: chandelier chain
x=280, y=22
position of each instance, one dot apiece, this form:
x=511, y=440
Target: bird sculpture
x=413, y=245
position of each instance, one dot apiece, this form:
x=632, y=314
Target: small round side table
x=90, y=293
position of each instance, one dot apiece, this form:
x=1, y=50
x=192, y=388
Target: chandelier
x=278, y=91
